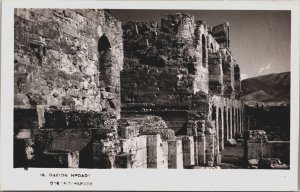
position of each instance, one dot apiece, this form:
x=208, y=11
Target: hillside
x=271, y=88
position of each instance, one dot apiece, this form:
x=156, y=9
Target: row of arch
x=229, y=123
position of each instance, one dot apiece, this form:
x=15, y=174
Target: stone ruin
x=91, y=93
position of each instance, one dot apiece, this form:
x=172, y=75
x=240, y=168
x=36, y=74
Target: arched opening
x=225, y=125
x=212, y=46
x=203, y=50
x=229, y=123
x=103, y=43
x=233, y=122
x=214, y=114
x=236, y=122
x=239, y=120
x=220, y=129
x=105, y=59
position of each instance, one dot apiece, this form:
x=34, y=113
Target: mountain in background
x=270, y=89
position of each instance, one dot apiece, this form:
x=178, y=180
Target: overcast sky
x=259, y=40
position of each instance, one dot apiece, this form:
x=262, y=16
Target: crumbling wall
x=57, y=59
x=175, y=71
x=221, y=34
x=215, y=74
x=67, y=69
x=237, y=81
x=257, y=146
x=228, y=71
x=165, y=67
x=69, y=76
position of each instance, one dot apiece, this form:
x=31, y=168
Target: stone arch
x=220, y=126
x=233, y=122
x=203, y=41
x=214, y=113
x=103, y=43
x=105, y=59
x=225, y=124
x=238, y=119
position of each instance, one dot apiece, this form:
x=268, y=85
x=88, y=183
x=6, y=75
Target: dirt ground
x=232, y=157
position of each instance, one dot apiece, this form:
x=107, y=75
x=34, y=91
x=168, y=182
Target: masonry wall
x=57, y=61
x=167, y=106
x=182, y=71
x=66, y=81
x=257, y=146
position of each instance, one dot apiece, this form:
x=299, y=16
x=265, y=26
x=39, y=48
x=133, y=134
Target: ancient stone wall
x=60, y=58
x=257, y=146
x=182, y=71
x=171, y=105
x=67, y=80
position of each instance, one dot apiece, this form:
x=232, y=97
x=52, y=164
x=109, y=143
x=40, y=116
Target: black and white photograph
x=151, y=89
x=94, y=92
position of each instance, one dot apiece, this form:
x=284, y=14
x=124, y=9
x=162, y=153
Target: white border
x=18, y=179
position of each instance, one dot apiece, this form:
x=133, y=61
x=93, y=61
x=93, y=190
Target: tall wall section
x=67, y=79
x=165, y=67
x=173, y=69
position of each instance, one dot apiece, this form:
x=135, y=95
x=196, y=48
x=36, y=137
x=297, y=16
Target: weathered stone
x=131, y=145
x=70, y=85
x=255, y=136
x=231, y=142
x=156, y=152
x=253, y=162
x=128, y=131
x=175, y=156
x=63, y=119
x=201, y=143
x=188, y=151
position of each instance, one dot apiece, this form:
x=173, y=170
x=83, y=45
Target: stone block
x=155, y=151
x=201, y=150
x=24, y=134
x=255, y=150
x=128, y=132
x=258, y=136
x=140, y=157
x=133, y=144
x=105, y=147
x=175, y=156
x=64, y=119
x=67, y=139
x=154, y=140
x=165, y=148
x=209, y=147
x=231, y=142
x=188, y=151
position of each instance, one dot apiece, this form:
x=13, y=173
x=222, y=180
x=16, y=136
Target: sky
x=259, y=40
